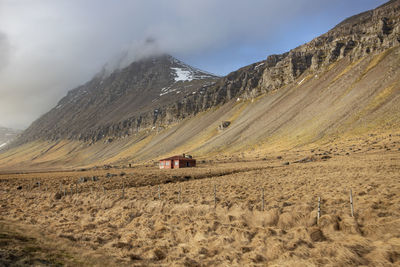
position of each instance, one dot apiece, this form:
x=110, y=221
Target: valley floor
x=143, y=216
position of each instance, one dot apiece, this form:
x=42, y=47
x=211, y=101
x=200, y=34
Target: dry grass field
x=143, y=216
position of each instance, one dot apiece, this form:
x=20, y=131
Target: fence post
x=319, y=210
x=179, y=194
x=351, y=203
x=262, y=197
x=123, y=190
x=159, y=193
x=215, y=196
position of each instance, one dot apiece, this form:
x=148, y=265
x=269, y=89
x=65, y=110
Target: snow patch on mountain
x=259, y=65
x=183, y=74
x=167, y=90
x=187, y=74
x=3, y=145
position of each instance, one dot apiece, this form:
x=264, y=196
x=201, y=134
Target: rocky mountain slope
x=7, y=135
x=120, y=102
x=345, y=82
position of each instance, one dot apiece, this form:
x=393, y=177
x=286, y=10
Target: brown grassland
x=143, y=216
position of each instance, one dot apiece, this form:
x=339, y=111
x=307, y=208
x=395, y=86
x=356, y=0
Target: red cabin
x=177, y=162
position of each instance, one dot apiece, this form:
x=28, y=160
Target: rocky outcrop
x=363, y=34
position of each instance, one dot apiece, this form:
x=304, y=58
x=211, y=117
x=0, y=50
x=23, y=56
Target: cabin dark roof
x=177, y=158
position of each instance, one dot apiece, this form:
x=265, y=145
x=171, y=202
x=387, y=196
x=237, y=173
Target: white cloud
x=5, y=50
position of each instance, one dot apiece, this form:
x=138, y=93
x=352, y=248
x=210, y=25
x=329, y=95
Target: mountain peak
x=179, y=70
x=143, y=86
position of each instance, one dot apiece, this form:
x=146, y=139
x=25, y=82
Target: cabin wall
x=182, y=163
x=165, y=164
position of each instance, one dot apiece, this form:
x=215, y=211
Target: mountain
x=7, y=135
x=119, y=103
x=342, y=83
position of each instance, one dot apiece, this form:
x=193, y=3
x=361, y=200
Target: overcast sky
x=48, y=47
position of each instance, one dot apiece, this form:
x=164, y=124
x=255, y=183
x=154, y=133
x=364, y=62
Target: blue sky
x=49, y=47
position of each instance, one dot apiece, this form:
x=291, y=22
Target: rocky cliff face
x=369, y=32
x=116, y=106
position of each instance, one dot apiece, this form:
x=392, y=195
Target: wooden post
x=262, y=197
x=179, y=194
x=351, y=203
x=123, y=190
x=39, y=185
x=319, y=210
x=159, y=193
x=215, y=196
x=104, y=190
x=76, y=188
x=65, y=191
